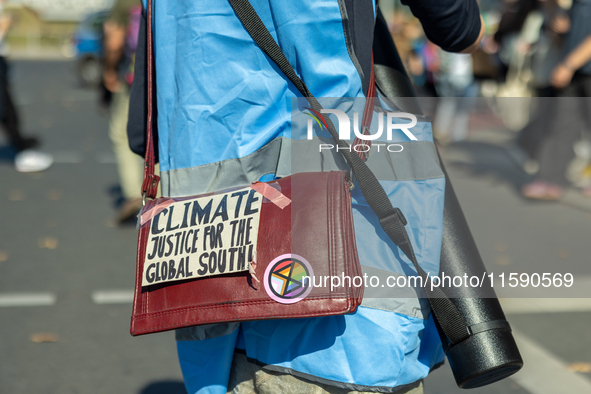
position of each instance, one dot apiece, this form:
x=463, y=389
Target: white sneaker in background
x=32, y=161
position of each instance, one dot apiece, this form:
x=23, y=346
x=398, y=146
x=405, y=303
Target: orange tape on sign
x=271, y=194
x=150, y=213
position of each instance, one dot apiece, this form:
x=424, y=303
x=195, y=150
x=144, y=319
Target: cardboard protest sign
x=201, y=237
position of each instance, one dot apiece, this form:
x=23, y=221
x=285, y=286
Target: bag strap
x=150, y=182
x=367, y=115
x=391, y=219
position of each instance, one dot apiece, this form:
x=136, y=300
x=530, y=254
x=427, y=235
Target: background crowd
x=533, y=50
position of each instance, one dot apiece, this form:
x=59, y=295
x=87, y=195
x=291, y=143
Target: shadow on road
x=485, y=159
x=164, y=387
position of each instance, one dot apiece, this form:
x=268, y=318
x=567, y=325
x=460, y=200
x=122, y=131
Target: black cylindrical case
x=490, y=353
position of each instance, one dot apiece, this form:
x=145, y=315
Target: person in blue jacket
x=224, y=119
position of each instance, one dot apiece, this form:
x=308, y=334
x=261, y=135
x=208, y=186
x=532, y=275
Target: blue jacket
x=228, y=117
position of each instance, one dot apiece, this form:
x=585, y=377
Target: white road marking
x=543, y=373
x=545, y=305
x=112, y=296
x=27, y=299
x=74, y=157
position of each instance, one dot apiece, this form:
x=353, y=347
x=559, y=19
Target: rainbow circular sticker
x=284, y=278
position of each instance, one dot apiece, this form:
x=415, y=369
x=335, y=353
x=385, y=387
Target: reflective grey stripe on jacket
x=418, y=160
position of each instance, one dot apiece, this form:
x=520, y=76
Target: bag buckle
x=398, y=214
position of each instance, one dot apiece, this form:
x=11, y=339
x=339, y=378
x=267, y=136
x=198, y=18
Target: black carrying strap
x=391, y=219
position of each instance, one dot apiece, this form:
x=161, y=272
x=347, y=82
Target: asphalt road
x=68, y=271
x=59, y=244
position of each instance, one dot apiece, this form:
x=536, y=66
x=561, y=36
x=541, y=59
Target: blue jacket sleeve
x=454, y=25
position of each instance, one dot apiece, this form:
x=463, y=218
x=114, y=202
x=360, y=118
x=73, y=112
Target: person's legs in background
x=556, y=151
x=26, y=159
x=129, y=165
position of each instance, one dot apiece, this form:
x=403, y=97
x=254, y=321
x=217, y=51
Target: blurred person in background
x=538, y=28
x=121, y=31
x=503, y=41
x=547, y=54
x=572, y=81
x=26, y=159
x=455, y=84
x=419, y=56
x=436, y=73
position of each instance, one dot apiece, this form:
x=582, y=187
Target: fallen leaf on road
x=43, y=337
x=503, y=260
x=47, y=122
x=579, y=367
x=16, y=195
x=54, y=195
x=48, y=243
x=563, y=254
x=3, y=256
